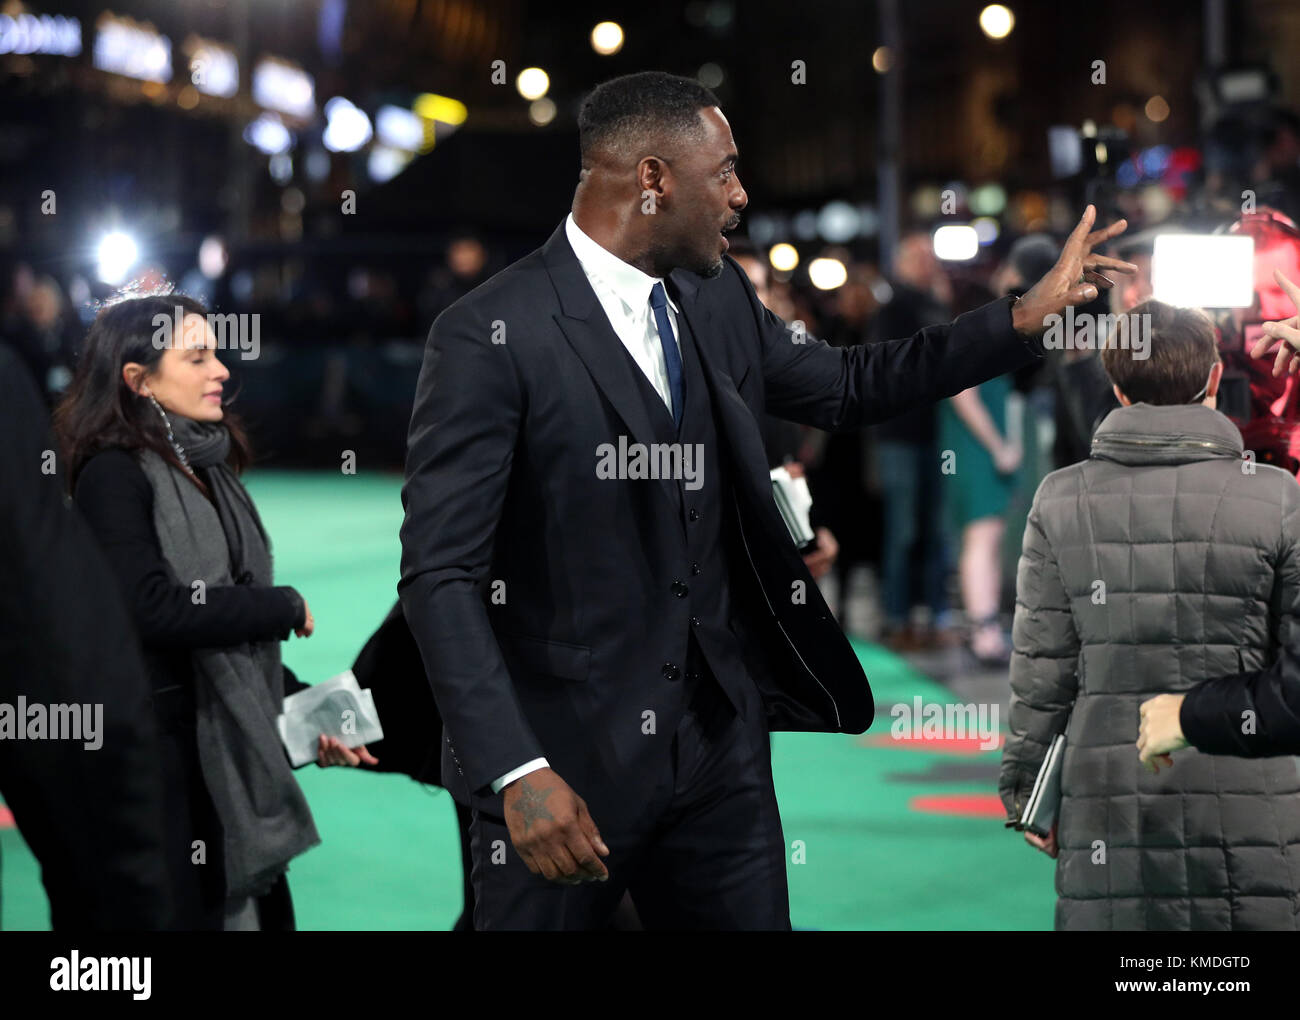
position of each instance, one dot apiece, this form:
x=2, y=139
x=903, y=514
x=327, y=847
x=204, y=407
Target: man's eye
x=728, y=172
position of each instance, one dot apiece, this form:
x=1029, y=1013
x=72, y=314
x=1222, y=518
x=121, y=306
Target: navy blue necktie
x=672, y=356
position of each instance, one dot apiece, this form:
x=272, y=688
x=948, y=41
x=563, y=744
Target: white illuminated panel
x=30, y=33
x=124, y=47
x=279, y=86
x=956, y=242
x=1204, y=271
x=214, y=70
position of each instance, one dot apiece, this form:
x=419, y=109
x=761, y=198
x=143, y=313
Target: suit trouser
x=707, y=852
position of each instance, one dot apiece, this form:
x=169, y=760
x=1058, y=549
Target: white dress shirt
x=624, y=294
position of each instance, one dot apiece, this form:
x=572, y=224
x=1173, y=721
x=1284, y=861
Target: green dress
x=973, y=488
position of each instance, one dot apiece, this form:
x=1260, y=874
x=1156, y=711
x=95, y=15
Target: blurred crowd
x=917, y=518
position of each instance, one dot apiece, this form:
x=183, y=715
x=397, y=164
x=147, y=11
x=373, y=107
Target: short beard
x=682, y=258
x=713, y=271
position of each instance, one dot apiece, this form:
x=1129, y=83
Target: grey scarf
x=239, y=689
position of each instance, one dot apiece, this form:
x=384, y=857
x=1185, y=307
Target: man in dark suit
x=610, y=609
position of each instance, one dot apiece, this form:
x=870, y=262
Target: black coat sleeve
x=1256, y=714
x=1214, y=713
x=469, y=404
x=91, y=815
x=841, y=388
x=117, y=501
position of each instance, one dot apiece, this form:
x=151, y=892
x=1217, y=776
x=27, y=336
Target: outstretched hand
x=1075, y=278
x=1287, y=331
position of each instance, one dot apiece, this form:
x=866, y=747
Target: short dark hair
x=1181, y=352
x=1033, y=257
x=641, y=106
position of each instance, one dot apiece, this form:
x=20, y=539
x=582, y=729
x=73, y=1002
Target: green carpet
x=389, y=859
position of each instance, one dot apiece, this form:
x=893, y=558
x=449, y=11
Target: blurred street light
x=348, y=128
x=783, y=257
x=607, y=38
x=533, y=83
x=541, y=111
x=997, y=21
x=827, y=274
x=117, y=253
x=1157, y=109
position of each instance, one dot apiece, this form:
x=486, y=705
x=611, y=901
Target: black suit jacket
x=533, y=587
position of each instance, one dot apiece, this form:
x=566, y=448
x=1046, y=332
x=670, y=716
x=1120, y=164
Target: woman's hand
x=821, y=559
x=1006, y=458
x=1048, y=845
x=332, y=751
x=1160, y=730
x=309, y=622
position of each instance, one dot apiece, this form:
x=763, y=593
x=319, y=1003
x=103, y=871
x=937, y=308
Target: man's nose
x=739, y=199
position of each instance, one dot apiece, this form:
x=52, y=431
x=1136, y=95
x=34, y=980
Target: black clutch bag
x=390, y=665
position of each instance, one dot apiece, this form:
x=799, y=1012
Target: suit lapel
x=739, y=431
x=585, y=326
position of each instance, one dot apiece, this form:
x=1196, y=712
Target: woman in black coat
x=152, y=461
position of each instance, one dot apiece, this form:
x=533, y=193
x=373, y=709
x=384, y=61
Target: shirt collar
x=630, y=284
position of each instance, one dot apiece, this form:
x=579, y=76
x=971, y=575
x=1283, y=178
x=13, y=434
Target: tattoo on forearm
x=531, y=805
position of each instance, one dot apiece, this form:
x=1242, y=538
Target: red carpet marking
x=935, y=745
x=965, y=805
x=6, y=818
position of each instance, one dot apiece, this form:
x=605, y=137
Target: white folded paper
x=794, y=501
x=337, y=707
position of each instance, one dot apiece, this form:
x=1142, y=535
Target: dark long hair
x=100, y=411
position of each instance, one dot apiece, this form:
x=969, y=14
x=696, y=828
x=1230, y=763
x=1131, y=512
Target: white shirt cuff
x=523, y=770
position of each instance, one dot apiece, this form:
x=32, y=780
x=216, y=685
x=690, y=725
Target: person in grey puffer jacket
x=1167, y=558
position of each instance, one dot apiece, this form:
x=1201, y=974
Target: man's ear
x=1216, y=376
x=1119, y=395
x=652, y=175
